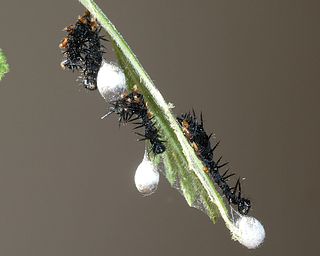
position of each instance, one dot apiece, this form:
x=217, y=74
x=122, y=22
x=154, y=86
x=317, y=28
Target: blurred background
x=66, y=177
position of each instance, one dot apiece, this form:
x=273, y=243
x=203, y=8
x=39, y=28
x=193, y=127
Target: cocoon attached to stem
x=146, y=177
x=111, y=80
x=249, y=232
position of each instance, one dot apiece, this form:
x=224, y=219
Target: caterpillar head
x=244, y=206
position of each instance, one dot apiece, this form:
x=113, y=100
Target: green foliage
x=4, y=66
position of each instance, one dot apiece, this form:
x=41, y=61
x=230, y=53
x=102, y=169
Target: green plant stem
x=180, y=146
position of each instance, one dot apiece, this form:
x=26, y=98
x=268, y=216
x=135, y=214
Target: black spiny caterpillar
x=131, y=107
x=83, y=50
x=200, y=141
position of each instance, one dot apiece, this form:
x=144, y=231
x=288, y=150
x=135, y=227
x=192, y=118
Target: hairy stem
x=179, y=147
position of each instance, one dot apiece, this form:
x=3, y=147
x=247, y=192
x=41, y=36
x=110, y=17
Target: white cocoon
x=110, y=80
x=251, y=232
x=146, y=177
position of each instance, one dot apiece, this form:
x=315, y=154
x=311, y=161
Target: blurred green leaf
x=4, y=66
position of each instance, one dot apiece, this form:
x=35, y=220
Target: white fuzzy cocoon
x=251, y=232
x=146, y=177
x=110, y=80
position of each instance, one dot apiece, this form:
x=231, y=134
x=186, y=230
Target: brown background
x=66, y=177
